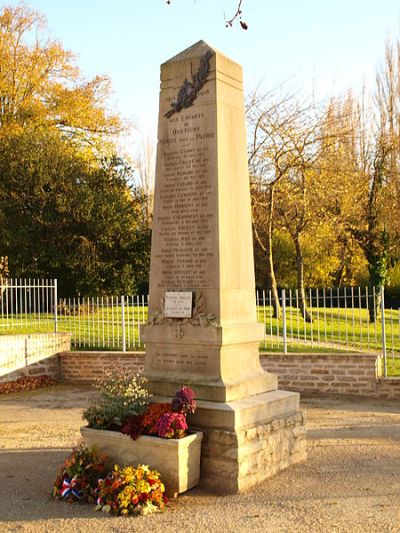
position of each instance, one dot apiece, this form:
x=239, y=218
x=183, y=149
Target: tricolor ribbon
x=68, y=488
x=99, y=500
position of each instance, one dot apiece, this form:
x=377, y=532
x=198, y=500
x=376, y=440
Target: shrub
x=122, y=394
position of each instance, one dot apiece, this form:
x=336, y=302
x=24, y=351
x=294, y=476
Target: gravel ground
x=350, y=482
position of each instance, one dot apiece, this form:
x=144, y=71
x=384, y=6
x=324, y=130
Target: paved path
x=350, y=483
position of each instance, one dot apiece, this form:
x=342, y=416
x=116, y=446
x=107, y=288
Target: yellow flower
x=127, y=474
x=143, y=486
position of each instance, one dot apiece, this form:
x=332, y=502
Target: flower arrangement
x=78, y=476
x=165, y=420
x=151, y=416
x=122, y=394
x=131, y=490
x=184, y=401
x=173, y=458
x=172, y=426
x=125, y=406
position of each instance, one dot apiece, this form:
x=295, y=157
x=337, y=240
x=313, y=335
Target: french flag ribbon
x=99, y=500
x=67, y=488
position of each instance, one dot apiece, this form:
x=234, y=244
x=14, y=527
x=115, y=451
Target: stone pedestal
x=202, y=249
x=221, y=363
x=246, y=441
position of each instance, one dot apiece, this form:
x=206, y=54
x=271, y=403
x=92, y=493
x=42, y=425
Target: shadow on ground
x=350, y=482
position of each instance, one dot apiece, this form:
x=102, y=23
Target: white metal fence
x=352, y=318
x=343, y=318
x=28, y=305
x=104, y=322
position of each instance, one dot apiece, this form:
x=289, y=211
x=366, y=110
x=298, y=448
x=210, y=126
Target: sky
x=317, y=46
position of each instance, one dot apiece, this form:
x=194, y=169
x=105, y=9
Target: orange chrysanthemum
x=152, y=415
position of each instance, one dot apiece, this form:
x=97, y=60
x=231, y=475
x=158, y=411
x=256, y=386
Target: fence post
x=55, y=306
x=284, y=321
x=383, y=331
x=123, y=323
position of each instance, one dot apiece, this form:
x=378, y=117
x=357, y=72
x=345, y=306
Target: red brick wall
x=327, y=373
x=347, y=374
x=84, y=367
x=388, y=388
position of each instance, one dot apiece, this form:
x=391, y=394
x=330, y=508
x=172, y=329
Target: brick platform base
x=310, y=374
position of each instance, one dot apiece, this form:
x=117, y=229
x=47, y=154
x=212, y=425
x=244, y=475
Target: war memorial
x=202, y=329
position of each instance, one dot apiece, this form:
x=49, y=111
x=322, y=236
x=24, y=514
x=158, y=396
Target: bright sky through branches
x=325, y=46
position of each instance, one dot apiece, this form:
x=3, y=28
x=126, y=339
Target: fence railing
x=352, y=318
x=28, y=305
x=105, y=322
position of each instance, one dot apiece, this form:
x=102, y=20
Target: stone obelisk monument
x=202, y=329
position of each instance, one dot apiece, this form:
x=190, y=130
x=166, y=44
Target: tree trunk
x=271, y=279
x=376, y=244
x=377, y=267
x=340, y=272
x=300, y=281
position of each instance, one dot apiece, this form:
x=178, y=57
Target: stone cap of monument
x=219, y=62
x=197, y=50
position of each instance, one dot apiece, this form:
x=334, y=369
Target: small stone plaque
x=178, y=304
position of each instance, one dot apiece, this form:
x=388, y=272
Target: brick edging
x=349, y=374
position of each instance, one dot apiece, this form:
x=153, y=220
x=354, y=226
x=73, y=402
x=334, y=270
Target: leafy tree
x=40, y=84
x=66, y=209
x=379, y=235
x=64, y=217
x=372, y=160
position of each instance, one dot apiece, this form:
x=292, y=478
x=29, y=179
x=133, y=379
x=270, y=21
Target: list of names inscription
x=185, y=214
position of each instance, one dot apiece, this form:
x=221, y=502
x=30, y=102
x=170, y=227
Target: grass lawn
x=331, y=330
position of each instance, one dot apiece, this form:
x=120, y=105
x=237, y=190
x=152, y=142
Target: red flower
x=172, y=425
x=152, y=415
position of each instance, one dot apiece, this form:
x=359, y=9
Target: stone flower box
x=177, y=460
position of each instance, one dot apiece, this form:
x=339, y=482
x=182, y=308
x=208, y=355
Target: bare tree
x=230, y=20
x=300, y=197
x=144, y=164
x=282, y=147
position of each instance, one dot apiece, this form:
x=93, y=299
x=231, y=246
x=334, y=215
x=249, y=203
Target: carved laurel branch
x=199, y=316
x=189, y=90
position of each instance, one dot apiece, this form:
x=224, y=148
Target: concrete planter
x=177, y=460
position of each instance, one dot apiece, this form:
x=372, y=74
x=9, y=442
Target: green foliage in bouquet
x=122, y=394
x=78, y=476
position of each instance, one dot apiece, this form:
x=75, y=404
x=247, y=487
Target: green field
x=96, y=327
x=345, y=328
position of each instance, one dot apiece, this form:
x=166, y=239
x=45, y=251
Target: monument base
x=217, y=391
x=249, y=440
